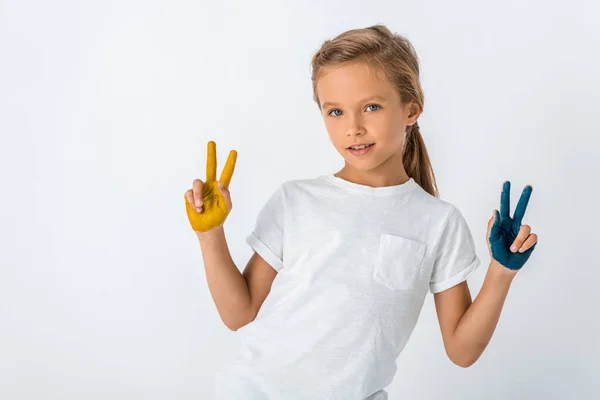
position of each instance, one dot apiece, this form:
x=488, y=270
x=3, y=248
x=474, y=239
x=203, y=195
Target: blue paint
x=505, y=229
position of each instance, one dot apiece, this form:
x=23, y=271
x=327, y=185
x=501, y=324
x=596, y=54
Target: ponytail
x=416, y=160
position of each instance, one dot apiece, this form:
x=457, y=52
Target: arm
x=467, y=326
x=238, y=297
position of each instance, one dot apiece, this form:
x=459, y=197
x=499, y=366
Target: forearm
x=477, y=325
x=227, y=285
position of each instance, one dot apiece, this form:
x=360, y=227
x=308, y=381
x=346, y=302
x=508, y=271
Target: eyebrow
x=376, y=97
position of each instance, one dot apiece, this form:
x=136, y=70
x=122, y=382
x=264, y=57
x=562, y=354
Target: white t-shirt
x=354, y=266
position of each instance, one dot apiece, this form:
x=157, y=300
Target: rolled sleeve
x=456, y=259
x=267, y=236
x=264, y=251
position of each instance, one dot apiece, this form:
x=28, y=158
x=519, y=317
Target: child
x=342, y=263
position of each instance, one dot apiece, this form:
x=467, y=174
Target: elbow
x=464, y=353
x=234, y=325
x=462, y=358
x=463, y=363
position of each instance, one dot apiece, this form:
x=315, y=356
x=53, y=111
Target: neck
x=372, y=178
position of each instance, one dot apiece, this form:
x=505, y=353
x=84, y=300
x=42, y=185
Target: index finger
x=211, y=161
x=229, y=168
x=522, y=204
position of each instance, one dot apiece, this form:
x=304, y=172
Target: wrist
x=210, y=234
x=499, y=273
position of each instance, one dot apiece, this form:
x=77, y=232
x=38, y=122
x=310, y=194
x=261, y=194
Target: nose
x=355, y=132
x=355, y=127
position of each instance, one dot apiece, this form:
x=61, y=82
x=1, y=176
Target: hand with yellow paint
x=208, y=203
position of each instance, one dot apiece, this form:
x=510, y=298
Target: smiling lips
x=361, y=151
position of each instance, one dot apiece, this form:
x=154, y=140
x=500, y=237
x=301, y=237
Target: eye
x=336, y=109
x=375, y=105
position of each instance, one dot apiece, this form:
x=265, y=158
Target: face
x=353, y=114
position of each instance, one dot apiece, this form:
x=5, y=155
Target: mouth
x=356, y=147
x=361, y=150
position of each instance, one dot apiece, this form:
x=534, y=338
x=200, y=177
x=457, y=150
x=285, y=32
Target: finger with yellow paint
x=208, y=203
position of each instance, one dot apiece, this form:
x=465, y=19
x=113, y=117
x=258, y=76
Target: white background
x=105, y=111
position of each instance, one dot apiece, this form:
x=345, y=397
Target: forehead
x=351, y=82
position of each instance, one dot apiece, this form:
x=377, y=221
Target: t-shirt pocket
x=398, y=262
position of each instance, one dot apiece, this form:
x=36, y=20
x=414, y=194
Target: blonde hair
x=393, y=58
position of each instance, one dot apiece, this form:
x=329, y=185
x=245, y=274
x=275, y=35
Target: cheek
x=337, y=135
x=391, y=133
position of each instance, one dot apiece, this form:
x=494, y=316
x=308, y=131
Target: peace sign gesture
x=511, y=243
x=208, y=203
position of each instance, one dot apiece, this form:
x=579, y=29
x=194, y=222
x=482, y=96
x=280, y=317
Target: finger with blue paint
x=511, y=243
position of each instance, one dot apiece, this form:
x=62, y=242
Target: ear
x=413, y=111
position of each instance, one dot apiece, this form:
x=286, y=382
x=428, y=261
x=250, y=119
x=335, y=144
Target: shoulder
x=436, y=207
x=306, y=185
x=292, y=192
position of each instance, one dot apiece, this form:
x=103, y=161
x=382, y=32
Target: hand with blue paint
x=511, y=243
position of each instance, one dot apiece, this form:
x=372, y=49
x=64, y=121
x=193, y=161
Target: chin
x=362, y=166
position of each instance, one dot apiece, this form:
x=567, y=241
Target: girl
x=342, y=263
